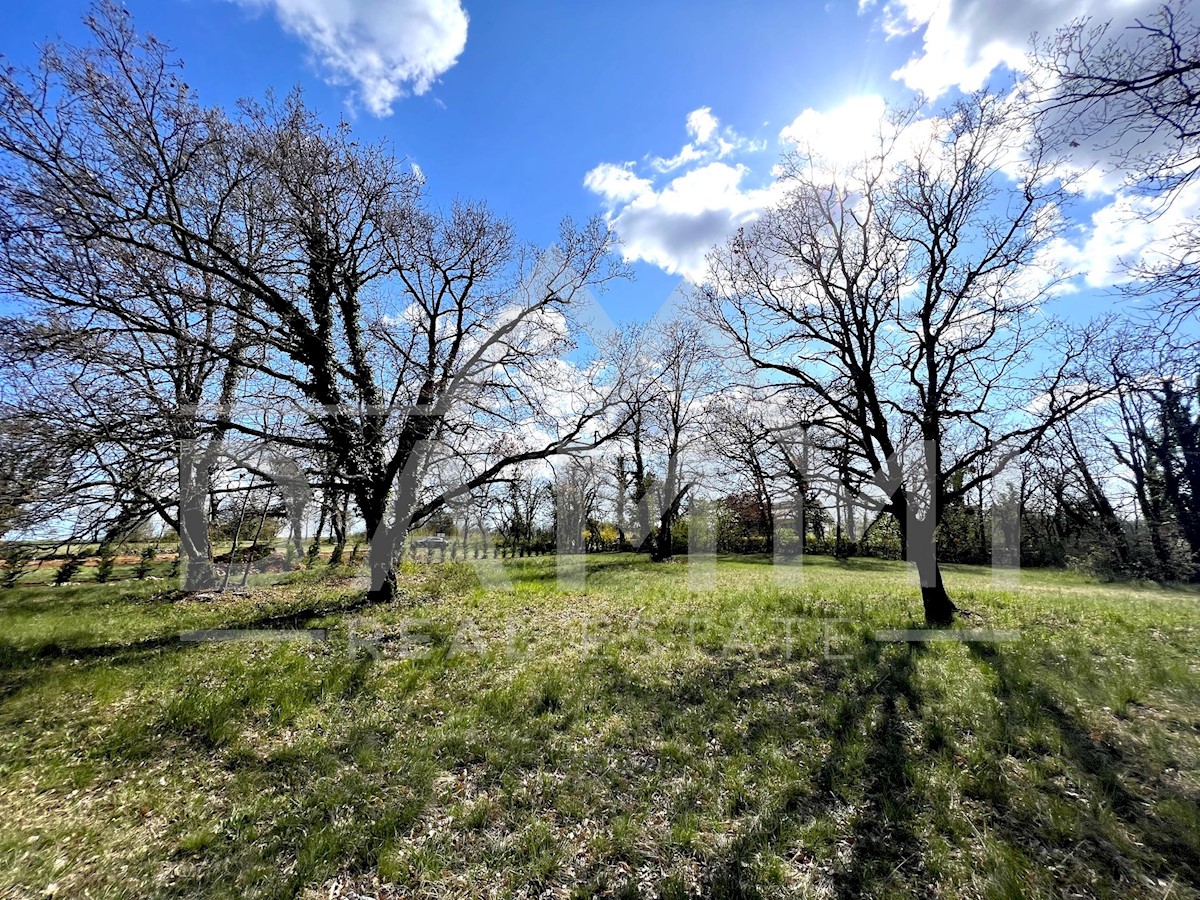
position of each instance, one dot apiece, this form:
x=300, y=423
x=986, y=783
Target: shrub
x=16, y=560
x=143, y=566
x=108, y=559
x=68, y=570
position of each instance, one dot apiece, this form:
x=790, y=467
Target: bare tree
x=1155, y=440
x=399, y=341
x=467, y=326
x=35, y=472
x=683, y=377
x=1130, y=89
x=123, y=408
x=643, y=479
x=104, y=151
x=576, y=494
x=742, y=439
x=1129, y=94
x=903, y=296
x=524, y=497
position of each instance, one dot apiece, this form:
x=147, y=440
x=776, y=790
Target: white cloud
x=673, y=225
x=673, y=222
x=965, y=41
x=702, y=124
x=383, y=48
x=1100, y=251
x=1130, y=233
x=688, y=154
x=837, y=142
x=617, y=184
x=709, y=141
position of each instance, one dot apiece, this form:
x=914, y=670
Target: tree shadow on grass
x=861, y=707
x=301, y=814
x=878, y=703
x=24, y=664
x=885, y=843
x=289, y=812
x=1138, y=845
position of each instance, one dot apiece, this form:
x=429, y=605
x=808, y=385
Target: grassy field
x=635, y=739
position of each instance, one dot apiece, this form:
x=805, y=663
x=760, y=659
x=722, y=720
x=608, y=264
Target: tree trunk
x=920, y=547
x=1152, y=512
x=939, y=608
x=338, y=525
x=382, y=537
x=799, y=519
x=383, y=572
x=622, y=488
x=770, y=525
x=662, y=549
x=195, y=551
x=641, y=491
x=298, y=535
x=314, y=548
x=642, y=500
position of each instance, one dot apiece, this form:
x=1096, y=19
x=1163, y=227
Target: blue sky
x=540, y=107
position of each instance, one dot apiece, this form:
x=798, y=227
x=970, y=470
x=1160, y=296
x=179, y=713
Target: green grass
x=639, y=739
